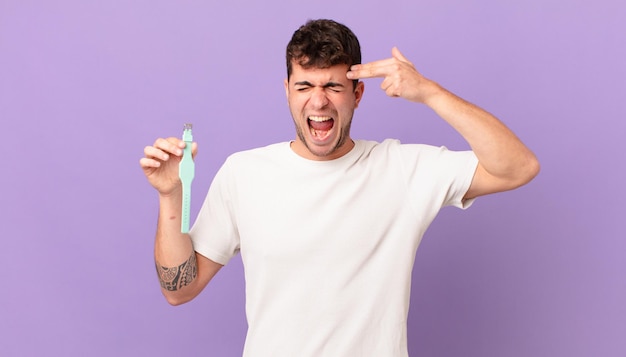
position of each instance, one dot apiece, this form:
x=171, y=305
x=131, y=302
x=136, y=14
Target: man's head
x=323, y=44
x=321, y=98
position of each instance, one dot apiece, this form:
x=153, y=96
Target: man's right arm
x=182, y=272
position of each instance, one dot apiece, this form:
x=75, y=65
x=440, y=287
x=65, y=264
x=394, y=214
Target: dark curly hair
x=322, y=44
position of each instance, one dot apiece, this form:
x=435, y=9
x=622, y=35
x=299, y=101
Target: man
x=328, y=226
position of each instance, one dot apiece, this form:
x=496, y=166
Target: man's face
x=322, y=102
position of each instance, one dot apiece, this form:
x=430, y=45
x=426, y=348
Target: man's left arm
x=504, y=162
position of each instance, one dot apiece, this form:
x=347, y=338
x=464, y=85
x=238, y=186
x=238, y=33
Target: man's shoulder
x=257, y=159
x=270, y=150
x=395, y=146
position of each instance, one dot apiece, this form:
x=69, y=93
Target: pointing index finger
x=369, y=70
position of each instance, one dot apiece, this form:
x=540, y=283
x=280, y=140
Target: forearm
x=174, y=255
x=498, y=149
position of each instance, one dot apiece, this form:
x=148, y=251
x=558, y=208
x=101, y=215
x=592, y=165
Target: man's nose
x=318, y=98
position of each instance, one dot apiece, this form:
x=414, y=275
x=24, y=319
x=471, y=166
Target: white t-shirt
x=328, y=246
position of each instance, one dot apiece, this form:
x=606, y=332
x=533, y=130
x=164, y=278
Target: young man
x=327, y=226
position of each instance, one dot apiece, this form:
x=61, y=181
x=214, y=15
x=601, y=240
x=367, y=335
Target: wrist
x=433, y=93
x=171, y=199
x=175, y=193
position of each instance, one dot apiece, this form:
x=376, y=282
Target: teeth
x=319, y=119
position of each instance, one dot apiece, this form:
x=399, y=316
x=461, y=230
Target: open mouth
x=320, y=126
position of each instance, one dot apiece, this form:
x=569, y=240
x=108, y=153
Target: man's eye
x=302, y=89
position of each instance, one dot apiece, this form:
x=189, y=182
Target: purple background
x=85, y=85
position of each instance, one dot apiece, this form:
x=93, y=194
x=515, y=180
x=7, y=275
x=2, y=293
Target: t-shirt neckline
x=353, y=153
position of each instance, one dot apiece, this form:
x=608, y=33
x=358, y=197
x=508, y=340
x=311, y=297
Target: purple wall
x=85, y=85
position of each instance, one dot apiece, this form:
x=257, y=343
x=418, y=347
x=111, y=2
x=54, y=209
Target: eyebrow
x=327, y=85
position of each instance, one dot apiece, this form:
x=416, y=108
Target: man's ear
x=358, y=93
x=287, y=87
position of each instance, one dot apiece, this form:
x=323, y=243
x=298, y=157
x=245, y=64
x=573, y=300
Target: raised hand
x=400, y=78
x=160, y=164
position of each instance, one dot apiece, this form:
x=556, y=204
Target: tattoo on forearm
x=174, y=278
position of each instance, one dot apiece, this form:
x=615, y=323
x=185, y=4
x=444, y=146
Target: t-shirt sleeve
x=466, y=163
x=214, y=233
x=446, y=175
